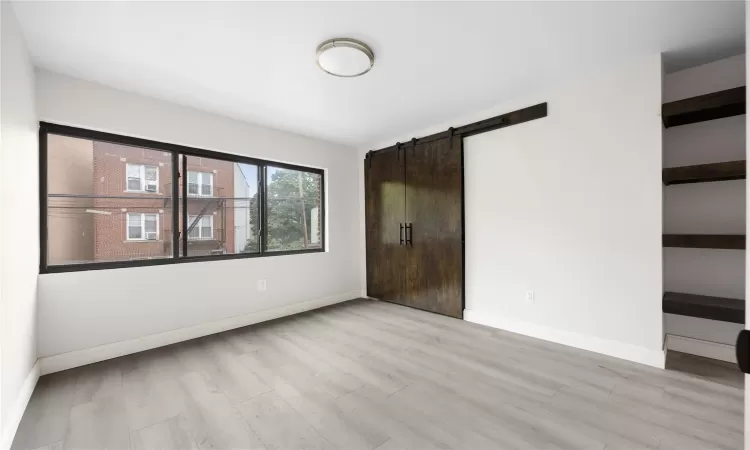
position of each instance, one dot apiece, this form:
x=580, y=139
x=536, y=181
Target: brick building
x=114, y=202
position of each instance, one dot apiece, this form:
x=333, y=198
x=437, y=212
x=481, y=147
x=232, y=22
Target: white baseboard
x=19, y=407
x=617, y=349
x=707, y=349
x=64, y=361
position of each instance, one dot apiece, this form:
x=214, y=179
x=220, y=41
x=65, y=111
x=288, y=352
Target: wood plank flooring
x=372, y=375
x=710, y=369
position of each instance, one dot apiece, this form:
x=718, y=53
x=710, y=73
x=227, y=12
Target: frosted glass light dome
x=345, y=57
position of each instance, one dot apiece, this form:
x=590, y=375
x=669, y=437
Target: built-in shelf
x=703, y=173
x=705, y=307
x=720, y=241
x=716, y=105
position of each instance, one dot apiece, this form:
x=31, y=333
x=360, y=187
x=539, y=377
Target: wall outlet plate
x=530, y=296
x=261, y=285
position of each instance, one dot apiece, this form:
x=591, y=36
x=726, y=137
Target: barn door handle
x=401, y=234
x=743, y=351
x=409, y=232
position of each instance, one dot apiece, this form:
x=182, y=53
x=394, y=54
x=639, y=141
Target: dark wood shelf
x=705, y=307
x=716, y=105
x=703, y=173
x=720, y=241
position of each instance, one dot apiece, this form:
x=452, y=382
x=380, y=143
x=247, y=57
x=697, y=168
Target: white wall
x=19, y=227
x=710, y=208
x=85, y=309
x=569, y=207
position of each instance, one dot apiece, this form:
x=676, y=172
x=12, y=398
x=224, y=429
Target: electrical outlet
x=261, y=285
x=530, y=296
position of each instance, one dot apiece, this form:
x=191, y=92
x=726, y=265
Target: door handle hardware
x=401, y=233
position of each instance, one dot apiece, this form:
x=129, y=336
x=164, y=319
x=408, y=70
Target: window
x=142, y=178
x=201, y=184
x=100, y=205
x=142, y=226
x=222, y=207
x=210, y=205
x=294, y=205
x=201, y=228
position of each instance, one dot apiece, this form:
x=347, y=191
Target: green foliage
x=286, y=224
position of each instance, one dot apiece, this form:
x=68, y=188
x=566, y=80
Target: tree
x=292, y=199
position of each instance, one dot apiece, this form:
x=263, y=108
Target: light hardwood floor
x=371, y=375
x=710, y=369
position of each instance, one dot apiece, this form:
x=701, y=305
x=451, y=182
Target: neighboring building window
x=201, y=184
x=202, y=228
x=142, y=178
x=143, y=227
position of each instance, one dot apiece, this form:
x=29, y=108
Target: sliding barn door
x=384, y=218
x=433, y=211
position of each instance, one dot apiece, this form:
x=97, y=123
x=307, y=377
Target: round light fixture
x=344, y=57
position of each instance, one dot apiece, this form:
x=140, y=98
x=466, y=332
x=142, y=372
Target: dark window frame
x=179, y=200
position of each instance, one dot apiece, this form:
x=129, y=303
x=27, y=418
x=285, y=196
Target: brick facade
x=221, y=208
x=111, y=230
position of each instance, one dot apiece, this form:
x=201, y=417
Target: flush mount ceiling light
x=344, y=57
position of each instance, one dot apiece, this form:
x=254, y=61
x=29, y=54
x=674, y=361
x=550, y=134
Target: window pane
x=151, y=172
x=134, y=184
x=135, y=232
x=226, y=199
x=150, y=223
x=134, y=220
x=89, y=202
x=207, y=183
x=293, y=204
x=134, y=176
x=194, y=227
x=200, y=183
x=194, y=233
x=134, y=170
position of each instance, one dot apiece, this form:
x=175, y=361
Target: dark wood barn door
x=384, y=218
x=434, y=266
x=420, y=184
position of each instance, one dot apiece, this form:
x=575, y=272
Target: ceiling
x=434, y=61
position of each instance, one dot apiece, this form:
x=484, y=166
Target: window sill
x=169, y=261
x=274, y=252
x=140, y=241
x=143, y=192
